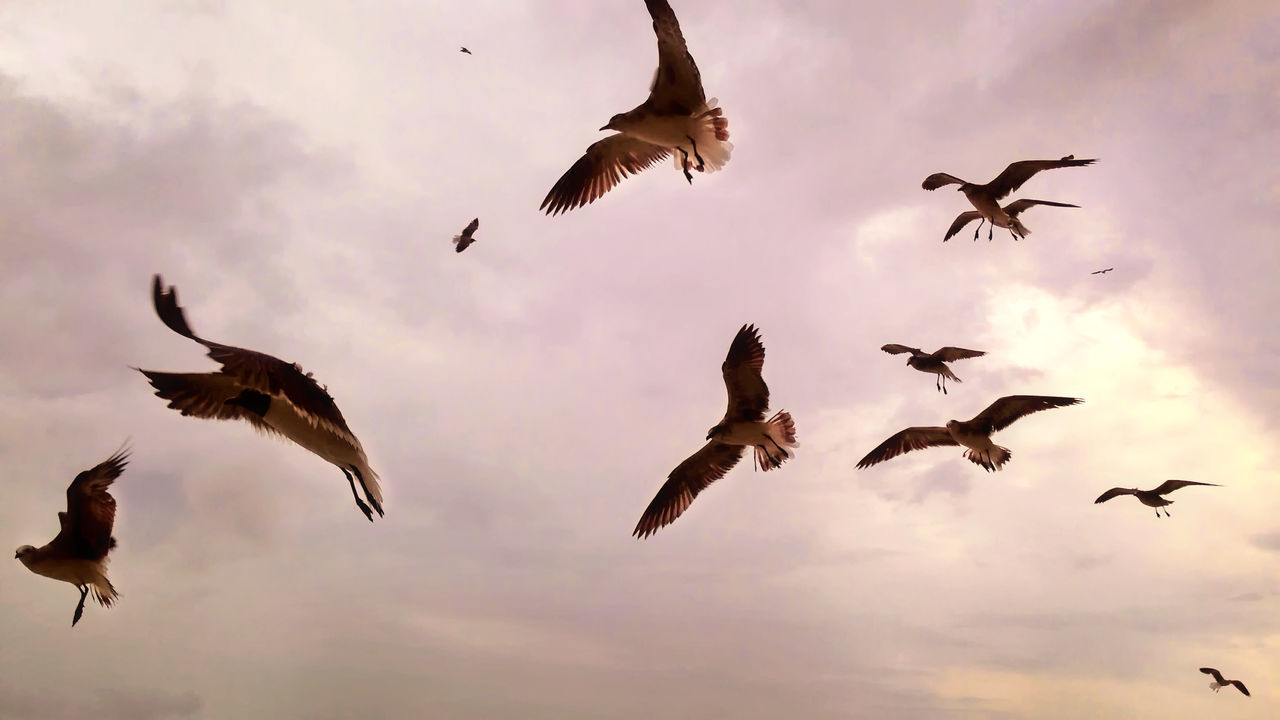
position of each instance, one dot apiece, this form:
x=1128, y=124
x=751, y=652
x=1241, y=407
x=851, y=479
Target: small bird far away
x=465, y=51
x=1102, y=272
x=1219, y=682
x=464, y=240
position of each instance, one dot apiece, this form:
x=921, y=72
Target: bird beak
x=606, y=127
x=17, y=555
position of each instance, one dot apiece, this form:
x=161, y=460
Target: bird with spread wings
x=467, y=237
x=743, y=426
x=675, y=118
x=974, y=435
x=78, y=554
x=274, y=396
x=1151, y=498
x=934, y=362
x=1220, y=682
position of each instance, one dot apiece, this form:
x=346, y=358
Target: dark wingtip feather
x=167, y=308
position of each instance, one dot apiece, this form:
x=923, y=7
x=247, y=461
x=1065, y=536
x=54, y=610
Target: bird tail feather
x=990, y=460
x=712, y=136
x=104, y=592
x=782, y=431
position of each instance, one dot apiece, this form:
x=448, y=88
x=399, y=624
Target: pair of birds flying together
x=985, y=198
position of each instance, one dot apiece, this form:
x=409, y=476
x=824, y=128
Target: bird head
x=23, y=553
x=951, y=424
x=715, y=432
x=615, y=123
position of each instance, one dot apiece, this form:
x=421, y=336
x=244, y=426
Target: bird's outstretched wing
x=1113, y=492
x=602, y=166
x=896, y=349
x=254, y=370
x=1169, y=486
x=937, y=180
x=91, y=511
x=951, y=354
x=1240, y=686
x=742, y=367
x=1004, y=412
x=962, y=219
x=204, y=395
x=684, y=483
x=1017, y=206
x=471, y=227
x=913, y=438
x=1217, y=676
x=1019, y=172
x=677, y=85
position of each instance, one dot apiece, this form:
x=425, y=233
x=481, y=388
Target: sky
x=297, y=169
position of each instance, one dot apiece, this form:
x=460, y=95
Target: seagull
x=1151, y=498
x=1219, y=682
x=743, y=425
x=676, y=118
x=934, y=363
x=78, y=554
x=985, y=198
x=272, y=395
x=974, y=434
x=464, y=240
x=1102, y=272
x=1011, y=211
x=464, y=50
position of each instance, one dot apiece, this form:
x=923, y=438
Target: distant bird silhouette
x=975, y=434
x=985, y=198
x=1101, y=272
x=465, y=51
x=1219, y=683
x=272, y=395
x=743, y=425
x=464, y=240
x=676, y=117
x=78, y=555
x=935, y=362
x=1012, y=210
x=1151, y=498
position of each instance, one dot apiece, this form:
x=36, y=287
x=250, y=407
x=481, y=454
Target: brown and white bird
x=974, y=435
x=78, y=555
x=1011, y=211
x=676, y=119
x=985, y=198
x=1219, y=682
x=743, y=426
x=935, y=362
x=1151, y=498
x=272, y=395
x=464, y=240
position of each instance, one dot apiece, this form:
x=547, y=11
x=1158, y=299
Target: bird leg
x=990, y=229
x=359, y=503
x=978, y=229
x=84, y=592
x=772, y=462
x=685, y=165
x=1013, y=235
x=701, y=165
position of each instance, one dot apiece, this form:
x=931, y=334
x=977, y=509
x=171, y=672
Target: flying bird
x=464, y=50
x=743, y=425
x=676, y=119
x=464, y=240
x=975, y=434
x=1151, y=498
x=935, y=362
x=1101, y=272
x=78, y=554
x=1011, y=211
x=1219, y=682
x=985, y=198
x=272, y=395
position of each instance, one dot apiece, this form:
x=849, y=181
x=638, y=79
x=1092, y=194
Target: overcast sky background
x=297, y=169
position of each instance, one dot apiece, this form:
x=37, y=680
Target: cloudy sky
x=296, y=169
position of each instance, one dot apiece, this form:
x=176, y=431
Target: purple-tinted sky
x=296, y=169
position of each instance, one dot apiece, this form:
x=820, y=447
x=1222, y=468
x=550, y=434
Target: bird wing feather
x=601, y=167
x=913, y=438
x=1169, y=486
x=742, y=368
x=685, y=482
x=91, y=510
x=677, y=85
x=962, y=219
x=1004, y=412
x=1019, y=172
